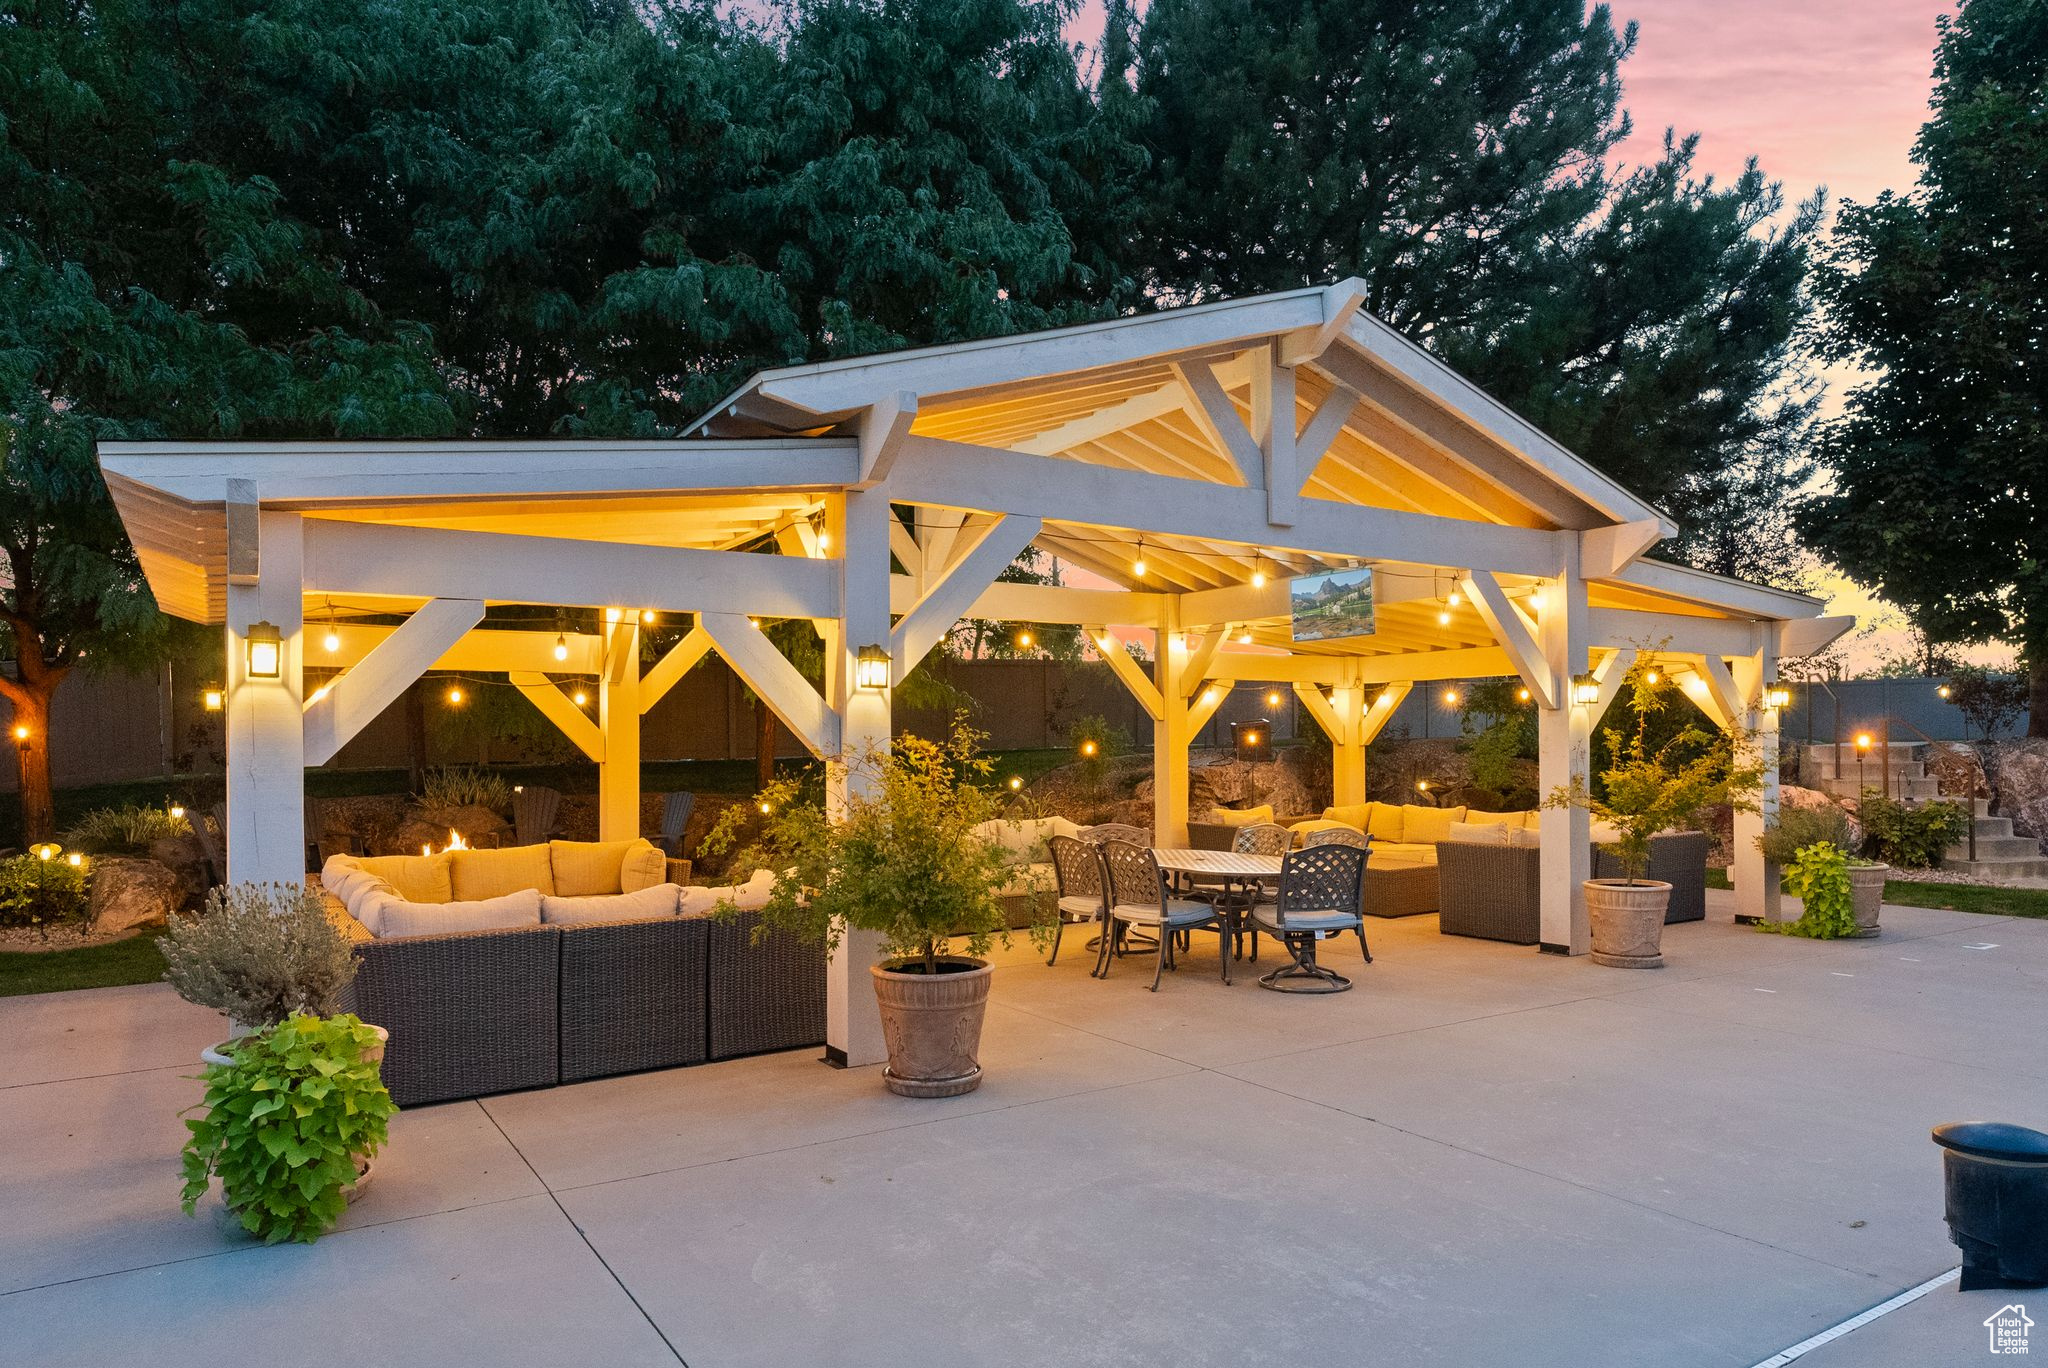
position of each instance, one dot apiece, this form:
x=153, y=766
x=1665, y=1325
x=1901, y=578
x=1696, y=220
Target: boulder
x=129, y=894
x=1792, y=796
x=481, y=828
x=2023, y=785
x=182, y=856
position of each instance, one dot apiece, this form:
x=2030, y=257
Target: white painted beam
x=1236, y=603
x=1216, y=418
x=961, y=475
x=479, y=651
x=1383, y=708
x=354, y=700
x=1515, y=633
x=407, y=562
x=883, y=426
x=1320, y=708
x=951, y=598
x=1205, y=705
x=1340, y=301
x=774, y=681
x=1044, y=603
x=1607, y=551
x=558, y=708
x=1127, y=670
x=1272, y=429
x=1806, y=636
x=1321, y=429
x=678, y=661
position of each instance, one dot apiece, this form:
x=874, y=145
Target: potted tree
x=903, y=859
x=258, y=953
x=1651, y=787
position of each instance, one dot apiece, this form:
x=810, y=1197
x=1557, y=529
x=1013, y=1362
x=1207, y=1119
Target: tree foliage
x=1940, y=465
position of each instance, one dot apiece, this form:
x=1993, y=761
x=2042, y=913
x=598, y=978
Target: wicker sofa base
x=487, y=1012
x=1400, y=890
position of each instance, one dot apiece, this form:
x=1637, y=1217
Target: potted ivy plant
x=259, y=953
x=292, y=1121
x=1652, y=786
x=1792, y=844
x=904, y=860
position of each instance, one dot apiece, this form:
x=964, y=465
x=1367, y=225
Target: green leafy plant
x=1500, y=729
x=287, y=1124
x=460, y=786
x=1800, y=827
x=40, y=891
x=905, y=858
x=1818, y=876
x=1653, y=788
x=259, y=952
x=129, y=829
x=1911, y=837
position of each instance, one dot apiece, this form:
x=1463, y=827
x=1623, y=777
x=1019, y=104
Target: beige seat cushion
x=484, y=874
x=1239, y=817
x=698, y=901
x=1353, y=815
x=1427, y=825
x=1025, y=841
x=418, y=878
x=1301, y=830
x=1477, y=833
x=1603, y=831
x=1526, y=839
x=1496, y=819
x=398, y=917
x=659, y=901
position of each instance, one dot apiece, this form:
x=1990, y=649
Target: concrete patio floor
x=1480, y=1156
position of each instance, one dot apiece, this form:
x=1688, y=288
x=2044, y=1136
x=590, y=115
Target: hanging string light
x=332, y=641
x=455, y=695
x=1138, y=565
x=561, y=645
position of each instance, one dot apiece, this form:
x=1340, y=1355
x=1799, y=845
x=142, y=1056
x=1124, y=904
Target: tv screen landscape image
x=1334, y=604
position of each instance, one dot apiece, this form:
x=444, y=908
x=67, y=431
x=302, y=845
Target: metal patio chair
x=1322, y=893
x=1139, y=896
x=1083, y=893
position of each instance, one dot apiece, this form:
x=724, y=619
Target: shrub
x=457, y=786
x=1800, y=827
x=1096, y=742
x=1819, y=876
x=285, y=1125
x=1911, y=837
x=40, y=892
x=905, y=859
x=125, y=830
x=259, y=952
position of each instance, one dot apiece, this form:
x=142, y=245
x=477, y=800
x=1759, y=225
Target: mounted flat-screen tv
x=1334, y=604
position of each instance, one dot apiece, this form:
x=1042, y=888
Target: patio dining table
x=1235, y=870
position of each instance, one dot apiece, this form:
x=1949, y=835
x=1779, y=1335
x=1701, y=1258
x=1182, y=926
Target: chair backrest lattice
x=1078, y=867
x=1134, y=876
x=1338, y=836
x=1117, y=831
x=1323, y=878
x=1262, y=838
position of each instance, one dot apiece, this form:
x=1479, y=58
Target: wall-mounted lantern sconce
x=1585, y=689
x=1777, y=696
x=871, y=668
x=214, y=698
x=266, y=651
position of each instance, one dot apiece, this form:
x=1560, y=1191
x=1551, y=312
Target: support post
x=266, y=827
x=1347, y=750
x=1170, y=729
x=618, y=719
x=1564, y=757
x=1756, y=882
x=859, y=524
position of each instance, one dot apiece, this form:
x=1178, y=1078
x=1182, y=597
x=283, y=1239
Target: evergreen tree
x=1455, y=155
x=1940, y=465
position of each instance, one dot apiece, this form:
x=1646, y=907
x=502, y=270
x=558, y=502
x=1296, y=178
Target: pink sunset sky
x=1822, y=92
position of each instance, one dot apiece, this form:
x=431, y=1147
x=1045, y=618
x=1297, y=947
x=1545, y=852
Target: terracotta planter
x=1866, y=893
x=1628, y=921
x=932, y=1025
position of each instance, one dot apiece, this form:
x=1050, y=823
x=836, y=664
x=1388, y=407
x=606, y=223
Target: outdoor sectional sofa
x=481, y=1009
x=1491, y=891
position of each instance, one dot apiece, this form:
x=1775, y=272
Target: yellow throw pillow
x=643, y=867
x=587, y=869
x=1238, y=817
x=418, y=878
x=1428, y=825
x=1384, y=822
x=482, y=874
x=1350, y=814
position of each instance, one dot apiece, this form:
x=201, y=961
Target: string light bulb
x=1024, y=640
x=1138, y=565
x=1272, y=698
x=561, y=646
x=1522, y=695
x=580, y=697
x=647, y=615
x=1650, y=677
x=455, y=695
x=1450, y=698
x=1453, y=598
x=1443, y=617
x=332, y=641
x=611, y=615
x=1536, y=599
x=1244, y=638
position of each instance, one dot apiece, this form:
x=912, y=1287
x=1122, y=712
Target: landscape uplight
x=1016, y=782
x=1089, y=748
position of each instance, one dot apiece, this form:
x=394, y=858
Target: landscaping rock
x=2023, y=785
x=182, y=856
x=130, y=894
x=482, y=828
x=1792, y=796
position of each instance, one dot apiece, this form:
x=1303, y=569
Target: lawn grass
x=2002, y=902
x=134, y=960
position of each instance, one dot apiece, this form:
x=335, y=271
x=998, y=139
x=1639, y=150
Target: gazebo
x=1193, y=462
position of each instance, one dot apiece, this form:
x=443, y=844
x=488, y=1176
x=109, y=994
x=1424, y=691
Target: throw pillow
x=484, y=874
x=586, y=869
x=644, y=866
x=1476, y=833
x=398, y=917
x=1354, y=815
x=1386, y=822
x=1239, y=817
x=418, y=878
x=658, y=901
x=1525, y=838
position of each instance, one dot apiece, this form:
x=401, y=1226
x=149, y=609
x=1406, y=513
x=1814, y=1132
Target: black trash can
x=1997, y=1196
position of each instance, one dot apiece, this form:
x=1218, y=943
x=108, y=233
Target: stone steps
x=1998, y=870
x=1996, y=848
